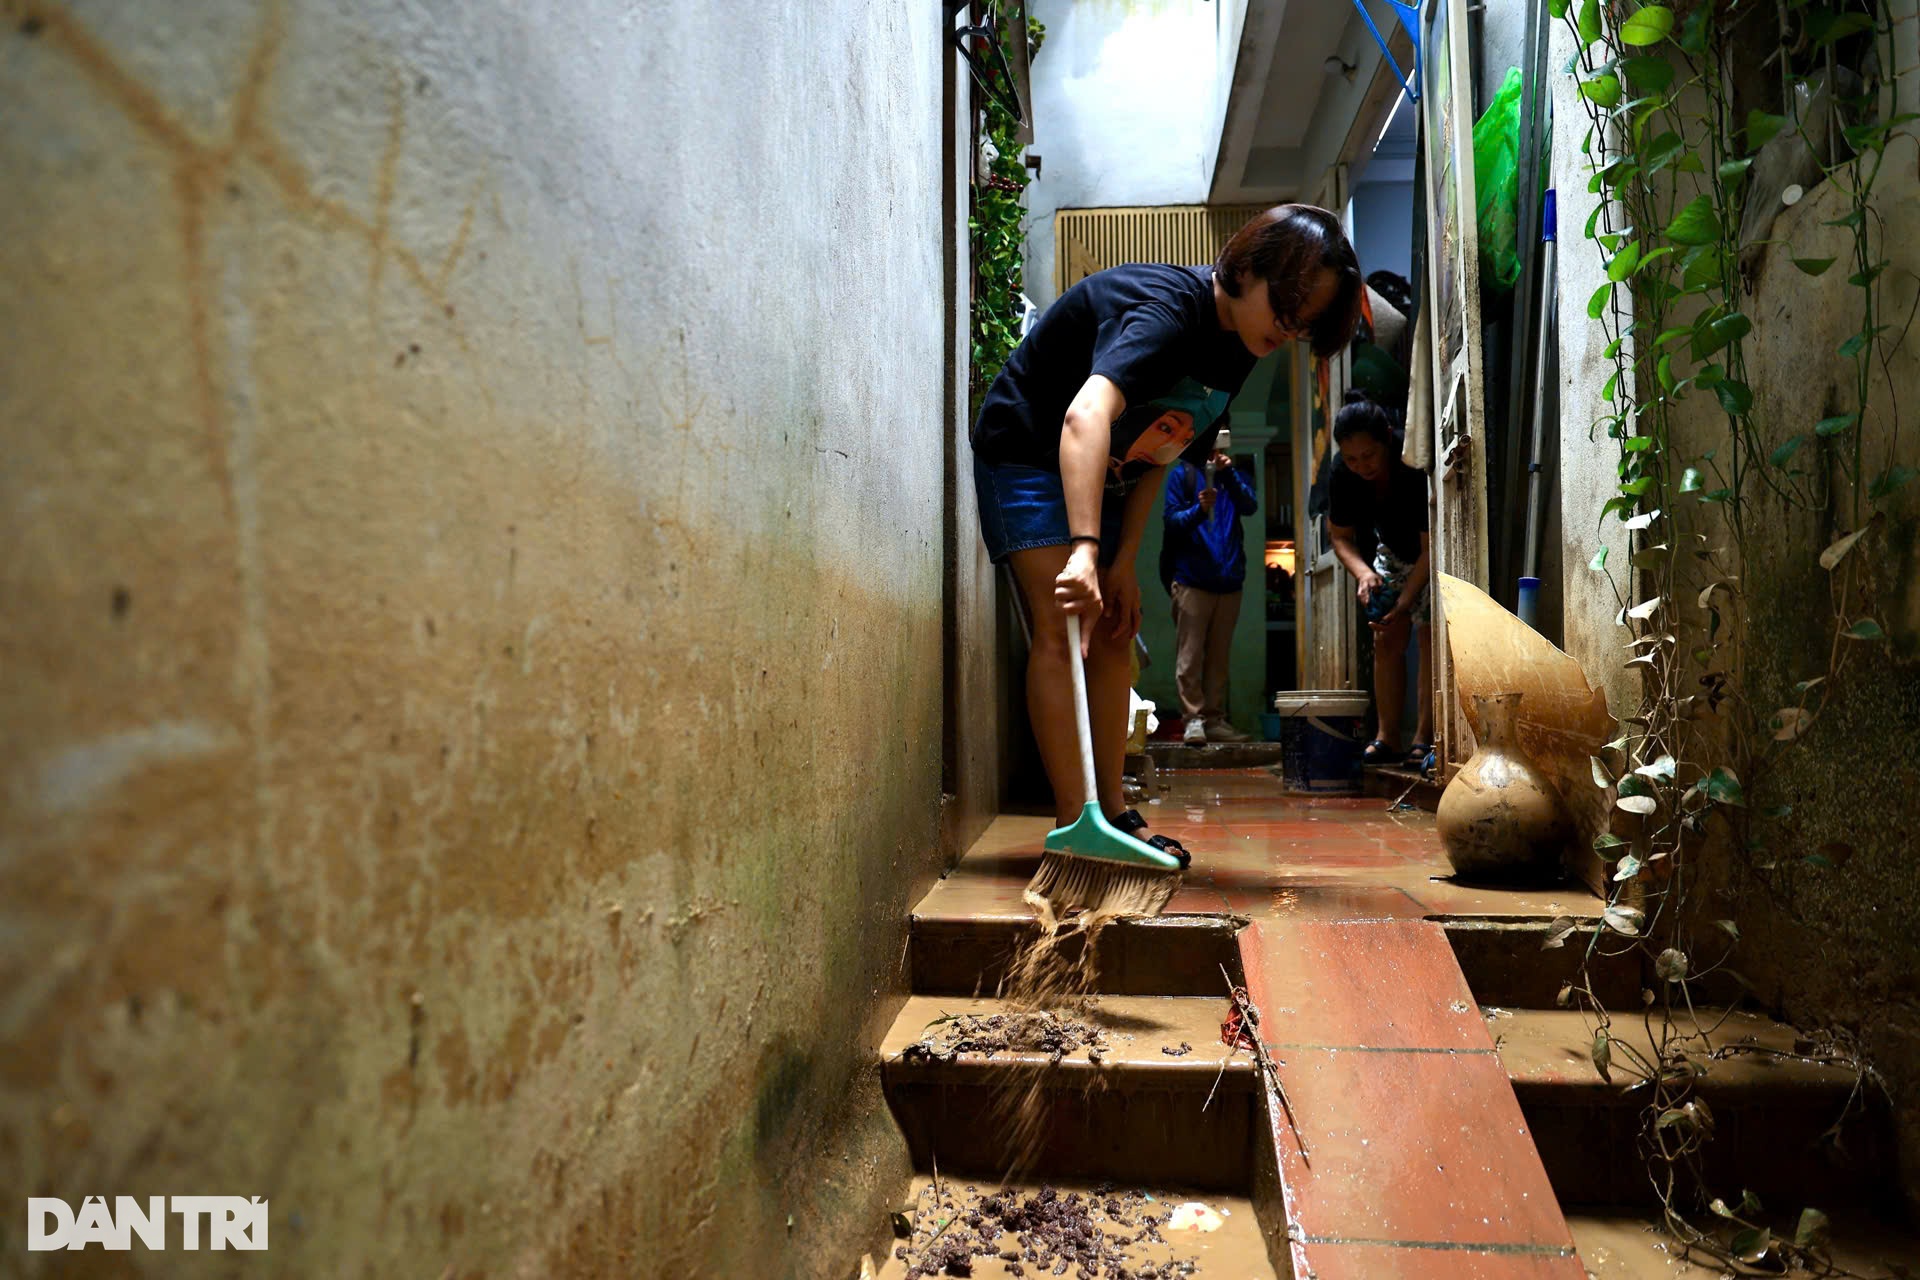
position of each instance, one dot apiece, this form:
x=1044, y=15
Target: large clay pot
x=1500, y=818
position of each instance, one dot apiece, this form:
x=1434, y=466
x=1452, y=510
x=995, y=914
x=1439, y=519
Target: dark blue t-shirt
x=1154, y=333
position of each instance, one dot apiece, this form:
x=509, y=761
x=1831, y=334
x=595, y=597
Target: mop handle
x=1080, y=708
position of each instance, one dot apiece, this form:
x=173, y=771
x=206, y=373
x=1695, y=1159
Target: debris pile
x=1048, y=1032
x=1096, y=1236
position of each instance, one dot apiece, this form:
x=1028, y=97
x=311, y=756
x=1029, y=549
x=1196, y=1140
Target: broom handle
x=1080, y=709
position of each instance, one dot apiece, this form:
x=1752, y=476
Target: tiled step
x=1769, y=1111
x=1134, y=1113
x=1237, y=1249
x=965, y=931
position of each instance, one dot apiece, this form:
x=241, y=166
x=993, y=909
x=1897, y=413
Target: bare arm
x=1085, y=439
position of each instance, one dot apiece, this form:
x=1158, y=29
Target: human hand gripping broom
x=1089, y=865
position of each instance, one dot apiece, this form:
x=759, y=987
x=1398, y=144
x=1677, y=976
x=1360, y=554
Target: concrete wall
x=1821, y=947
x=1126, y=111
x=473, y=510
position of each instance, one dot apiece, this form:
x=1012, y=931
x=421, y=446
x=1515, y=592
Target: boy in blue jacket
x=1207, y=564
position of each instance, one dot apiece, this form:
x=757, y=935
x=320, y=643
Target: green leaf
x=1752, y=1244
x=1605, y=841
x=1731, y=169
x=1612, y=386
x=1701, y=267
x=1780, y=456
x=1861, y=279
x=1693, y=32
x=1858, y=342
x=1891, y=479
x=1650, y=73
x=1629, y=868
x=1557, y=8
x=1718, y=334
x=1638, y=488
x=1603, y=91
x=1671, y=965
x=1866, y=137
x=1813, y=266
x=1718, y=495
x=1812, y=1229
x=1588, y=23
x=1599, y=560
x=1662, y=150
x=1636, y=444
x=1663, y=370
x=1735, y=396
x=1852, y=220
x=1697, y=223
x=1866, y=629
x=1602, y=1054
x=1723, y=787
x=1624, y=262
x=1761, y=126
x=1835, y=425
x=1690, y=481
x=1597, y=304
x=1647, y=25
x=1729, y=928
x=1625, y=920
x=1826, y=26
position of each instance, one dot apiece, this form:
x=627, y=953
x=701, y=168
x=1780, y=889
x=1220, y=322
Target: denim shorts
x=1023, y=507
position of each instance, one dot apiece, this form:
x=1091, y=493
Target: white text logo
x=206, y=1222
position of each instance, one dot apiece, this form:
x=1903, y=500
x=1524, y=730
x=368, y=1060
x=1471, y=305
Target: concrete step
x=1509, y=966
x=1237, y=1247
x=1215, y=755
x=1770, y=1110
x=1395, y=782
x=963, y=934
x=1125, y=1110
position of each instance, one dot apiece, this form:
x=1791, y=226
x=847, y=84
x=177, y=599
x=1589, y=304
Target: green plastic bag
x=1496, y=185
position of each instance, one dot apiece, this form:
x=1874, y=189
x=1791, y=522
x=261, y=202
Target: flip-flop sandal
x=1131, y=823
x=1417, y=755
x=1378, y=752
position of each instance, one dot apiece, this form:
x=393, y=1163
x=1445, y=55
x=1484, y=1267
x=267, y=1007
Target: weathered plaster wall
x=1831, y=946
x=1126, y=111
x=470, y=729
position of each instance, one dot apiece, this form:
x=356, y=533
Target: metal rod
x=1542, y=354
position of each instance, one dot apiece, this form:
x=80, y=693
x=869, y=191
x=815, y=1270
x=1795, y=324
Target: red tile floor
x=1418, y=1161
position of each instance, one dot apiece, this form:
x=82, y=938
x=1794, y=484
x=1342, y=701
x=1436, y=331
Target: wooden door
x=1459, y=537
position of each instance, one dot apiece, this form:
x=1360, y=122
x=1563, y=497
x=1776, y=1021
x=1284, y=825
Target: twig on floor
x=1251, y=1019
x=1231, y=1050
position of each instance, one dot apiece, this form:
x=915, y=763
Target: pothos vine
x=997, y=227
x=1673, y=167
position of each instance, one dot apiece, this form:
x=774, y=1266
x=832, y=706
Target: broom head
x=1091, y=867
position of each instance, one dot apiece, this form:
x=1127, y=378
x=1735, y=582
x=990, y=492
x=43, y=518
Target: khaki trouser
x=1203, y=631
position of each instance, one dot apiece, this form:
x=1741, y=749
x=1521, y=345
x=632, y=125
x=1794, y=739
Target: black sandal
x=1417, y=755
x=1378, y=752
x=1132, y=824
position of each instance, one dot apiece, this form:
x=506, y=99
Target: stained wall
x=471, y=725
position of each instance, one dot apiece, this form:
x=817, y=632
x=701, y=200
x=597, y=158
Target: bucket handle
x=1329, y=730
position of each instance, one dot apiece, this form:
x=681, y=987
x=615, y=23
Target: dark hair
x=1287, y=247
x=1359, y=415
x=1395, y=288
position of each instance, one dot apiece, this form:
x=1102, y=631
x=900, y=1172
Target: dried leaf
x=1729, y=928
x=1629, y=868
x=1642, y=805
x=1812, y=1230
x=1562, y=929
x=1643, y=520
x=1601, y=778
x=1602, y=1054
x=1834, y=554
x=1645, y=609
x=1661, y=768
x=1565, y=997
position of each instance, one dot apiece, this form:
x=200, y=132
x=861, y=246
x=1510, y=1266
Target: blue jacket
x=1202, y=550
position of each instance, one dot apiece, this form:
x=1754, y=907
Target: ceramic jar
x=1500, y=818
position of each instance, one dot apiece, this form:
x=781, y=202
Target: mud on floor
x=1102, y=1233
x=1050, y=1032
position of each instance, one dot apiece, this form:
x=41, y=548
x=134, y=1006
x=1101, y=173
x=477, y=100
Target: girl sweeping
x=1373, y=496
x=1129, y=370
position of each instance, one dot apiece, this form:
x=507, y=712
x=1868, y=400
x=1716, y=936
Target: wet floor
x=1263, y=854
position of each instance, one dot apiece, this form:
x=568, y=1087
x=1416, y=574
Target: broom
x=1089, y=865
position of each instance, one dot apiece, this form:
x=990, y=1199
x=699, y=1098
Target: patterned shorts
x=1395, y=571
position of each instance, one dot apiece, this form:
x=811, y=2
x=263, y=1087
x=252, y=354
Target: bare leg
x=1109, y=678
x=1050, y=679
x=1390, y=677
x=1424, y=733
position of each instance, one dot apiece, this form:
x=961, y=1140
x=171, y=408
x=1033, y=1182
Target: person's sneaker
x=1221, y=731
x=1196, y=735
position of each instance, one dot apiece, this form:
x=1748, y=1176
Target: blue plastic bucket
x=1322, y=734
